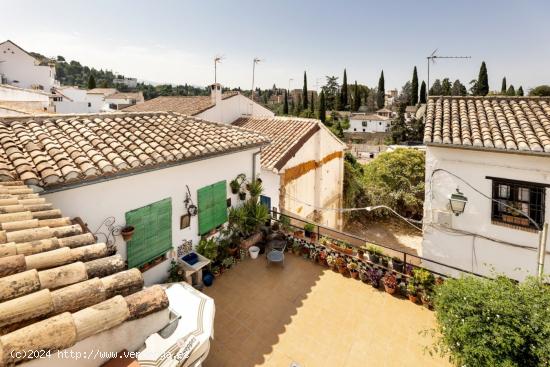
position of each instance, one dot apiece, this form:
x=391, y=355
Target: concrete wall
x=373, y=126
x=230, y=109
x=318, y=188
x=21, y=70
x=476, y=253
x=96, y=202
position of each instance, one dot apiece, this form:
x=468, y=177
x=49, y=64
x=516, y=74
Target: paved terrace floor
x=304, y=313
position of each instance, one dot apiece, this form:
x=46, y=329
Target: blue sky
x=175, y=41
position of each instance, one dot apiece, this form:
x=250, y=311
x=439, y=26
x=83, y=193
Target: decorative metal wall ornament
x=185, y=248
x=108, y=230
x=191, y=208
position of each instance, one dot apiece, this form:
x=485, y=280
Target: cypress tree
x=511, y=91
x=285, y=105
x=503, y=88
x=91, y=82
x=356, y=98
x=381, y=93
x=414, y=88
x=312, y=104
x=423, y=92
x=344, y=93
x=304, y=92
x=322, y=107
x=520, y=91
x=483, y=80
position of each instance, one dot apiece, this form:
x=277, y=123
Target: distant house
x=220, y=107
x=496, y=151
x=15, y=101
x=163, y=173
x=129, y=82
x=386, y=112
x=368, y=123
x=410, y=112
x=20, y=69
x=302, y=169
x=120, y=100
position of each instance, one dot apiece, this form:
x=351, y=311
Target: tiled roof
x=104, y=91
x=61, y=149
x=507, y=123
x=286, y=134
x=125, y=95
x=52, y=269
x=368, y=117
x=30, y=107
x=186, y=105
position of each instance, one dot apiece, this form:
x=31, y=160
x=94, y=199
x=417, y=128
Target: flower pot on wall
x=127, y=233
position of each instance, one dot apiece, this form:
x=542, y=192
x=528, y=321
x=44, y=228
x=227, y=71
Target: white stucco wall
x=230, y=109
x=21, y=70
x=322, y=187
x=373, y=126
x=23, y=95
x=475, y=253
x=271, y=183
x=96, y=202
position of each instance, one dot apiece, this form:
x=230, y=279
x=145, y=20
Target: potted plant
x=342, y=266
x=390, y=283
x=423, y=278
x=255, y=188
x=323, y=258
x=374, y=276
x=308, y=229
x=384, y=261
x=228, y=262
x=363, y=275
x=374, y=253
x=360, y=252
x=412, y=292
x=352, y=267
x=208, y=248
x=216, y=271
x=285, y=223
x=296, y=248
x=397, y=264
x=331, y=262
x=426, y=298
x=127, y=233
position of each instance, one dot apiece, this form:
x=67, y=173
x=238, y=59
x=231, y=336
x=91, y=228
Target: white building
x=368, y=123
x=302, y=169
x=496, y=151
x=142, y=169
x=16, y=101
x=219, y=107
x=129, y=82
x=19, y=68
x=121, y=100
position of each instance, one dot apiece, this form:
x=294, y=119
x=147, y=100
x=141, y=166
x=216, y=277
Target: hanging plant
x=127, y=233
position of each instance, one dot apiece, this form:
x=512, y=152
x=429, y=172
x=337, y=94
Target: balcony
x=313, y=316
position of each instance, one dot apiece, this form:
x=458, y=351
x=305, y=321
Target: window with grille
x=152, y=232
x=212, y=203
x=514, y=201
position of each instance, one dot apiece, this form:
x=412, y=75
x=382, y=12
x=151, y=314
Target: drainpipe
x=254, y=164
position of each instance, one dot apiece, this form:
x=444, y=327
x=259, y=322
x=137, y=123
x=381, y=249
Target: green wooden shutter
x=153, y=232
x=212, y=206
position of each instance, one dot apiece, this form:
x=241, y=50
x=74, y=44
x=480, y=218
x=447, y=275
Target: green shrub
x=482, y=322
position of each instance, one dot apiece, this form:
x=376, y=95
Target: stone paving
x=312, y=316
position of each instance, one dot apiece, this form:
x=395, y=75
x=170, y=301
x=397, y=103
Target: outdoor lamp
x=458, y=202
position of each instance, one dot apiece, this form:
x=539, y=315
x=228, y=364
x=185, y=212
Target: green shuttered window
x=153, y=232
x=212, y=206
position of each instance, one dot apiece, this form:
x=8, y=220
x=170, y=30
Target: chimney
x=216, y=93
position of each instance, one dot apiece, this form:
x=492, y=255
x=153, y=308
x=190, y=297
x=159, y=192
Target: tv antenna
x=432, y=58
x=217, y=60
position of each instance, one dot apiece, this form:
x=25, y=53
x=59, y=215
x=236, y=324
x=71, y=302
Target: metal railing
x=408, y=258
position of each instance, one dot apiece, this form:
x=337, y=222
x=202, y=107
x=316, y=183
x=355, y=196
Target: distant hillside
x=74, y=73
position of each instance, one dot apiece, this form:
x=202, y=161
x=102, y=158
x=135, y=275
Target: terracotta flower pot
x=342, y=269
x=389, y=290
x=354, y=274
x=413, y=298
x=127, y=233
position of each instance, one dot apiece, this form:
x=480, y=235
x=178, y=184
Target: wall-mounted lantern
x=458, y=202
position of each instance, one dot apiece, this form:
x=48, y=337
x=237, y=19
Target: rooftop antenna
x=254, y=62
x=218, y=59
x=432, y=58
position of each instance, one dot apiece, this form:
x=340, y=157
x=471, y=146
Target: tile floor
x=310, y=315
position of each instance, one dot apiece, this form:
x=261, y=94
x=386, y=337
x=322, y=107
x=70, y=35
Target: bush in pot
x=374, y=276
x=331, y=262
x=397, y=264
x=390, y=283
x=342, y=265
x=374, y=253
x=255, y=188
x=308, y=229
x=412, y=292
x=353, y=269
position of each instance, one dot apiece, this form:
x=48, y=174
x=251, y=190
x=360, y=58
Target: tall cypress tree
x=483, y=80
x=322, y=107
x=312, y=104
x=381, y=93
x=520, y=91
x=356, y=98
x=91, y=82
x=503, y=87
x=285, y=105
x=304, y=92
x=414, y=88
x=344, y=92
x=423, y=92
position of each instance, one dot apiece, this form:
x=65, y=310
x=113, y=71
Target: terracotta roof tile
x=55, y=150
x=495, y=122
x=186, y=105
x=284, y=132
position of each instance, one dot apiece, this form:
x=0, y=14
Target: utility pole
x=432, y=58
x=542, y=250
x=217, y=59
x=254, y=62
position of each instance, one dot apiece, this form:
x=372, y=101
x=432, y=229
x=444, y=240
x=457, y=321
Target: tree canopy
x=414, y=88
x=304, y=93
x=423, y=92
x=482, y=87
x=381, y=92
x=541, y=90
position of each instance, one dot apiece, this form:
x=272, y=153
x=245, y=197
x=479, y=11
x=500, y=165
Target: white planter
x=254, y=251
